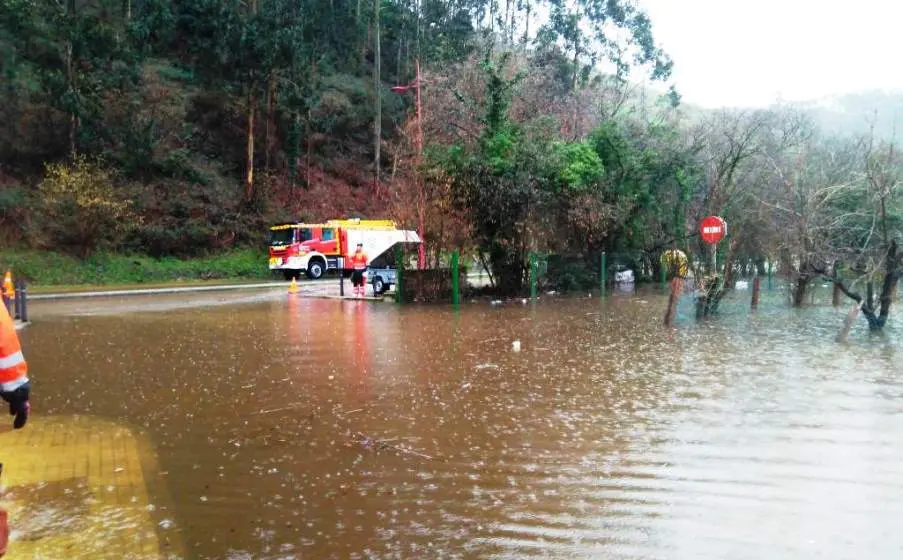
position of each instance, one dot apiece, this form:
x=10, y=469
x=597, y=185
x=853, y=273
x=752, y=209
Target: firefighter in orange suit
x=14, y=385
x=359, y=266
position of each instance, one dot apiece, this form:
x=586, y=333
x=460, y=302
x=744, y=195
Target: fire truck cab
x=313, y=249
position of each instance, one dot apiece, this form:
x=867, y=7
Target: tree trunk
x=399, y=78
x=508, y=269
x=729, y=264
x=835, y=292
x=876, y=321
x=377, y=93
x=576, y=67
x=249, y=168
x=710, y=296
x=677, y=285
x=509, y=22
x=270, y=124
x=307, y=130
x=70, y=78
x=848, y=322
x=799, y=290
x=295, y=148
x=889, y=287
x=755, y=292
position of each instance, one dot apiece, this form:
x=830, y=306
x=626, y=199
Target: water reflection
x=325, y=429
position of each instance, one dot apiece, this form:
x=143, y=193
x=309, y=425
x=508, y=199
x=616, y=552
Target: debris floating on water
x=372, y=443
x=515, y=346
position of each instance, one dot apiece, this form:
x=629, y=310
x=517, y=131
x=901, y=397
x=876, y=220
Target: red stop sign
x=712, y=229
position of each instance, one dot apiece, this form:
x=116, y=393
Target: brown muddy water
x=301, y=428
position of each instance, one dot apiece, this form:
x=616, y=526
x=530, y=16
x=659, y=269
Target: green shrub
x=78, y=207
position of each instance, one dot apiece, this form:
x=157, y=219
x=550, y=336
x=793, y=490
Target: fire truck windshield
x=282, y=236
x=287, y=236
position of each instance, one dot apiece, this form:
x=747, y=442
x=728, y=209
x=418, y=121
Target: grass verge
x=43, y=268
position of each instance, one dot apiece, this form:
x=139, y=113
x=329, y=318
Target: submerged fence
x=595, y=272
x=438, y=284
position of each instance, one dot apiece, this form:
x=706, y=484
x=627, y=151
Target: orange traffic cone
x=8, y=289
x=293, y=288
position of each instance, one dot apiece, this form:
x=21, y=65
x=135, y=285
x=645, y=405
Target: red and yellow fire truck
x=315, y=248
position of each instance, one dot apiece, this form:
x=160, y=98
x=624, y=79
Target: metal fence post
x=533, y=280
x=456, y=295
x=23, y=306
x=399, y=270
x=17, y=298
x=603, y=272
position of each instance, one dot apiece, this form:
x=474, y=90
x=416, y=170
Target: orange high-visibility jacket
x=359, y=260
x=13, y=369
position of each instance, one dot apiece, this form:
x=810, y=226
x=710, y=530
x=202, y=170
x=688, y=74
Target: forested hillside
x=213, y=118
x=860, y=113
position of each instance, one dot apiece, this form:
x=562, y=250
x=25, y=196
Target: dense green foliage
x=181, y=129
x=214, y=118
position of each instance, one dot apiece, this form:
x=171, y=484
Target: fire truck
x=315, y=248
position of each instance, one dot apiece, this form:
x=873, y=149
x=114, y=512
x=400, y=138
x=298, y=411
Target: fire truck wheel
x=378, y=285
x=315, y=269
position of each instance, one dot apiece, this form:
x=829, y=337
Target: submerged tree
x=872, y=249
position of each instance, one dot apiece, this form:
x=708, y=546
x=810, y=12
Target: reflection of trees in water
x=533, y=431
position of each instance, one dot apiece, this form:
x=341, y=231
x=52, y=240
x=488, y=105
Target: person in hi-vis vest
x=14, y=385
x=359, y=266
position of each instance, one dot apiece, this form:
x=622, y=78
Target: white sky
x=752, y=53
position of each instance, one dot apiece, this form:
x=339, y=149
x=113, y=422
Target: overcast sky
x=750, y=53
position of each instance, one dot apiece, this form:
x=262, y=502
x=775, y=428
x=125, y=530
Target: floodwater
x=300, y=428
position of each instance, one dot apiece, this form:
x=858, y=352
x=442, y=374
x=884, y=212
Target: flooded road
x=300, y=428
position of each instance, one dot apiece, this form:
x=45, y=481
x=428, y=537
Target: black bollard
x=17, y=299
x=23, y=307
x=342, y=276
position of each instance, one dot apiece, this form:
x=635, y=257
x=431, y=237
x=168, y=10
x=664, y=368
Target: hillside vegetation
x=182, y=128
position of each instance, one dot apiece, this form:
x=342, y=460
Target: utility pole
x=421, y=252
x=418, y=141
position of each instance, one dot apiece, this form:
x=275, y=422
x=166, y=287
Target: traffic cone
x=293, y=288
x=8, y=289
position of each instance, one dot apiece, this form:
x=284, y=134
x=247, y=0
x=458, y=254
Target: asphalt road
x=173, y=290
x=272, y=285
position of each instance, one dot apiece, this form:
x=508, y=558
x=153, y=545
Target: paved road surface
x=326, y=283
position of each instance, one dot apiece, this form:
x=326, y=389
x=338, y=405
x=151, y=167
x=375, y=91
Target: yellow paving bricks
x=75, y=488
